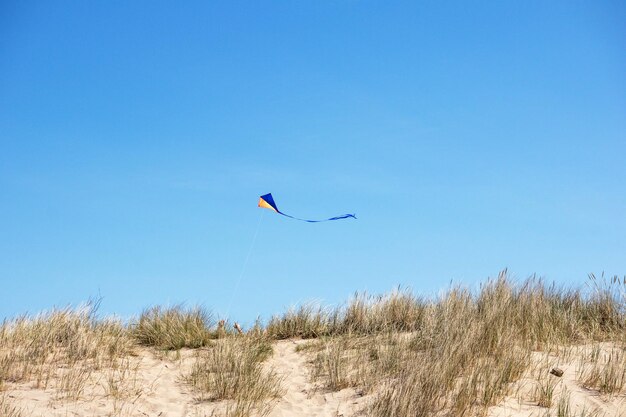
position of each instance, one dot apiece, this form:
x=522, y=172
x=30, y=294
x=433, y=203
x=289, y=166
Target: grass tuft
x=604, y=370
x=7, y=409
x=232, y=369
x=174, y=328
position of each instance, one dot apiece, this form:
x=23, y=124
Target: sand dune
x=157, y=389
x=462, y=354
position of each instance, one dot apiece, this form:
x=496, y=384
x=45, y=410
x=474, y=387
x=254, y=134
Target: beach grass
x=455, y=354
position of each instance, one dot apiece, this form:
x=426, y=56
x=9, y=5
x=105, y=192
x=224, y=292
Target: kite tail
x=344, y=216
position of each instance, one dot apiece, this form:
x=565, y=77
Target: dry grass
x=460, y=353
x=7, y=409
x=470, y=348
x=544, y=315
x=308, y=321
x=121, y=382
x=565, y=409
x=455, y=355
x=63, y=346
x=174, y=328
x=545, y=389
x=603, y=370
x=356, y=361
x=333, y=364
x=398, y=311
x=232, y=370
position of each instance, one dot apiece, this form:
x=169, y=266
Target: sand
x=582, y=401
x=304, y=398
x=156, y=389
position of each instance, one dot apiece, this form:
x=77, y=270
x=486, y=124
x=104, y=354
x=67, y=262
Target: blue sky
x=136, y=137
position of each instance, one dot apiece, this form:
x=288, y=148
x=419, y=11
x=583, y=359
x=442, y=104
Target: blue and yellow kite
x=267, y=201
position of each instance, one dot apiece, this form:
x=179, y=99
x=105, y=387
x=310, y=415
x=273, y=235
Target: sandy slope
x=303, y=398
x=156, y=390
x=582, y=402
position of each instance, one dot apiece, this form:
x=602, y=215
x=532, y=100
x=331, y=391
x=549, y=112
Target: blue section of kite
x=267, y=201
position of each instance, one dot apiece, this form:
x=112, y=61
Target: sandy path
x=301, y=397
x=165, y=396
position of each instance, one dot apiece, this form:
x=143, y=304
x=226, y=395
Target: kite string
x=245, y=264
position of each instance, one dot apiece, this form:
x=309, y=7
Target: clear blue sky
x=137, y=136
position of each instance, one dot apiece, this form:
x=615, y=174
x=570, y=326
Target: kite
x=267, y=201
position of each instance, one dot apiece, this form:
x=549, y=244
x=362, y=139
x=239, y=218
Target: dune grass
x=544, y=314
x=232, y=370
x=459, y=353
x=603, y=370
x=7, y=409
x=454, y=355
x=65, y=346
x=174, y=328
x=470, y=347
x=398, y=311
